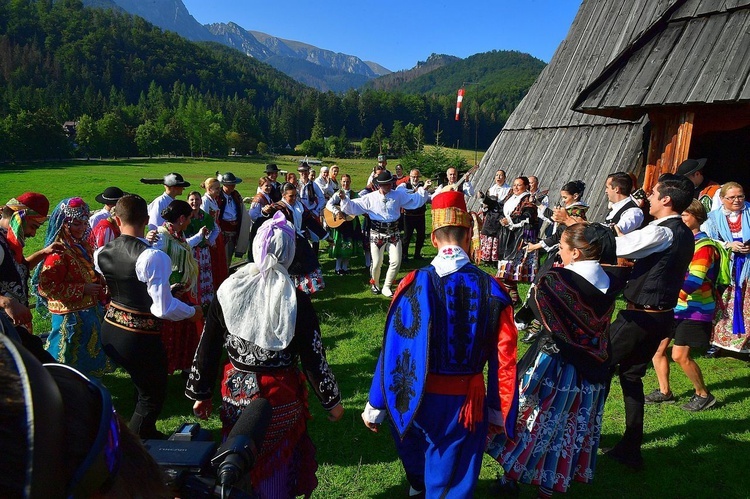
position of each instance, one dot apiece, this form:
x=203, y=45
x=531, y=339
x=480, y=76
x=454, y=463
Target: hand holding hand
x=92, y=289
x=56, y=247
x=198, y=316
x=152, y=236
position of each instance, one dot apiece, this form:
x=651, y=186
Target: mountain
x=497, y=73
x=319, y=68
x=322, y=69
x=400, y=78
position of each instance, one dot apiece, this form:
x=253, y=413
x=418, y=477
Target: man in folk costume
x=234, y=220
x=138, y=279
x=706, y=190
x=662, y=251
x=103, y=225
x=21, y=218
x=384, y=209
x=174, y=185
x=272, y=172
x=446, y=322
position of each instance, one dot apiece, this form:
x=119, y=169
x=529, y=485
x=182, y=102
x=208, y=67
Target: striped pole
x=459, y=99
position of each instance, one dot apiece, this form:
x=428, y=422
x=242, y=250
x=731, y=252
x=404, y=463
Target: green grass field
x=687, y=455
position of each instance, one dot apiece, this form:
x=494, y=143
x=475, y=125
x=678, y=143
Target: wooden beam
x=669, y=144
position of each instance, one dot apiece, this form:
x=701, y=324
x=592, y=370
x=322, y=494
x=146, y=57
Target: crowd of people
x=138, y=280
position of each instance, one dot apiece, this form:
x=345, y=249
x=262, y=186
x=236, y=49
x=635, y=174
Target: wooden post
x=669, y=145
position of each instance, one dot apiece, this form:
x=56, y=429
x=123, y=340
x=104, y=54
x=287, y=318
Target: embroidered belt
x=646, y=308
x=471, y=385
x=384, y=227
x=132, y=320
x=228, y=226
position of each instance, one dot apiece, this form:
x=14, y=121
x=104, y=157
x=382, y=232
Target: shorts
x=693, y=334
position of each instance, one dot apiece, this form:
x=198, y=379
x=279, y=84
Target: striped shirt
x=697, y=300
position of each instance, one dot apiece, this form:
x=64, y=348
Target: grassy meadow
x=687, y=455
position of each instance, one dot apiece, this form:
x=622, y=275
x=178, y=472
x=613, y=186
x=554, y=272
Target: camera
x=193, y=467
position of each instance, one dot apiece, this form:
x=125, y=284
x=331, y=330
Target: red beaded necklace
x=735, y=226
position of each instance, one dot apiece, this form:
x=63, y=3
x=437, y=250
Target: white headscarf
x=259, y=300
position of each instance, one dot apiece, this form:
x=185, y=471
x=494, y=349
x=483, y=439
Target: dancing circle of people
x=137, y=280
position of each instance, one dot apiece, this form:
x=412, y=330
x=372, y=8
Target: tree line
x=134, y=89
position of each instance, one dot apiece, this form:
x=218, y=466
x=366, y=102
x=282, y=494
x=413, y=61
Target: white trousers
x=394, y=262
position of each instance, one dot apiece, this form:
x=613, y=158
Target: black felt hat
x=110, y=195
x=690, y=166
x=271, y=168
x=229, y=179
x=303, y=167
x=384, y=178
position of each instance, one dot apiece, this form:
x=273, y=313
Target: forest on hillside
x=135, y=89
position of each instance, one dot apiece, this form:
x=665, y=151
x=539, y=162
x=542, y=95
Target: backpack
x=724, y=276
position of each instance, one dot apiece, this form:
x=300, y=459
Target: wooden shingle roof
x=697, y=54
x=545, y=137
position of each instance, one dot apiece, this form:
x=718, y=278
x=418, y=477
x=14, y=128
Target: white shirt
x=385, y=208
x=631, y=219
x=499, y=191
x=592, y=272
x=646, y=241
x=325, y=186
x=97, y=216
x=209, y=204
x=154, y=267
x=155, y=208
x=467, y=188
x=320, y=201
x=230, y=210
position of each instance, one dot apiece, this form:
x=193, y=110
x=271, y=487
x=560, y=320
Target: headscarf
x=259, y=301
x=29, y=205
x=64, y=214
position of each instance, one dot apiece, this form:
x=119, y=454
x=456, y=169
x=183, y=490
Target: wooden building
x=636, y=86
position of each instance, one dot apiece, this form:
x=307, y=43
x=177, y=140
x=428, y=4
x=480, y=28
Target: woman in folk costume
x=209, y=204
x=563, y=376
x=203, y=223
x=519, y=227
x=575, y=211
x=180, y=338
x=305, y=270
x=492, y=213
x=731, y=226
x=346, y=239
x=268, y=327
x=68, y=286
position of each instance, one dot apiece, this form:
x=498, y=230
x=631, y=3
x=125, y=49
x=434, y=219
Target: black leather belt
x=384, y=227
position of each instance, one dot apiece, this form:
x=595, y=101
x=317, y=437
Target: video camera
x=195, y=468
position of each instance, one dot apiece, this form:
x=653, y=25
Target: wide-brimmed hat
x=303, y=167
x=170, y=180
x=110, y=195
x=384, y=178
x=229, y=179
x=690, y=166
x=449, y=209
x=271, y=168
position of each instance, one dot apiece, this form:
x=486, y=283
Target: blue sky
x=397, y=34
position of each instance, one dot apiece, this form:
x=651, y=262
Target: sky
x=398, y=33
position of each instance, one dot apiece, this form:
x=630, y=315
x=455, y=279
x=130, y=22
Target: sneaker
x=387, y=292
x=698, y=403
x=713, y=352
x=375, y=289
x=657, y=397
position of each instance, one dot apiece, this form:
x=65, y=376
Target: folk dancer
x=706, y=190
x=21, y=218
x=446, y=322
x=234, y=220
x=414, y=220
x=272, y=173
x=137, y=276
x=174, y=186
x=662, y=249
x=384, y=208
x=109, y=199
x=346, y=239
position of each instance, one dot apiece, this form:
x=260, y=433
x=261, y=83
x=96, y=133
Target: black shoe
x=632, y=461
x=657, y=397
x=713, y=352
x=375, y=289
x=698, y=403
